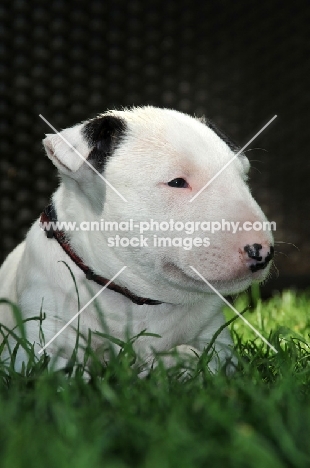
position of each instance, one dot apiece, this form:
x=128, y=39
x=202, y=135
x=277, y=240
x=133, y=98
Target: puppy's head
x=158, y=160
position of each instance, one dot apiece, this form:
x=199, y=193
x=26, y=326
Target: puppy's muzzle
x=260, y=257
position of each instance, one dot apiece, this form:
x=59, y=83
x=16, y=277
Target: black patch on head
x=231, y=144
x=103, y=134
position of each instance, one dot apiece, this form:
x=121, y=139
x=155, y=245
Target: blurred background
x=239, y=63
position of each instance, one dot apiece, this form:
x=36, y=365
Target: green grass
x=258, y=418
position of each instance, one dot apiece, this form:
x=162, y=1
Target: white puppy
x=157, y=159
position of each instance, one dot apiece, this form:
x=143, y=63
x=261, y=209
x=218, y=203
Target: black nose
x=261, y=258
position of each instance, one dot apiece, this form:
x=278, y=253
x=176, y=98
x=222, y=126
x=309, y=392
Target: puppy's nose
x=260, y=257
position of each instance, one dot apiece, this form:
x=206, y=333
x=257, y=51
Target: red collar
x=49, y=216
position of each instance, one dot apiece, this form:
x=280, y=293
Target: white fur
x=160, y=145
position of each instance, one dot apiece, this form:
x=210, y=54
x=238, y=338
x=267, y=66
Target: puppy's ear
x=67, y=149
x=103, y=134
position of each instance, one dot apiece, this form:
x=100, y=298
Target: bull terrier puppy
x=153, y=162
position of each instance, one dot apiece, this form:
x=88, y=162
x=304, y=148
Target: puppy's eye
x=178, y=183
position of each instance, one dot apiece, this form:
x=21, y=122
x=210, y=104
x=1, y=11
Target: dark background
x=239, y=63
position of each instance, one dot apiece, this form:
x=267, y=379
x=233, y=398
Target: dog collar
x=49, y=216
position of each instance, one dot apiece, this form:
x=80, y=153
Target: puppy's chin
x=189, y=280
x=240, y=283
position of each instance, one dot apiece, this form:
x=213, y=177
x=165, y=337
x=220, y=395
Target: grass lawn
x=258, y=418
